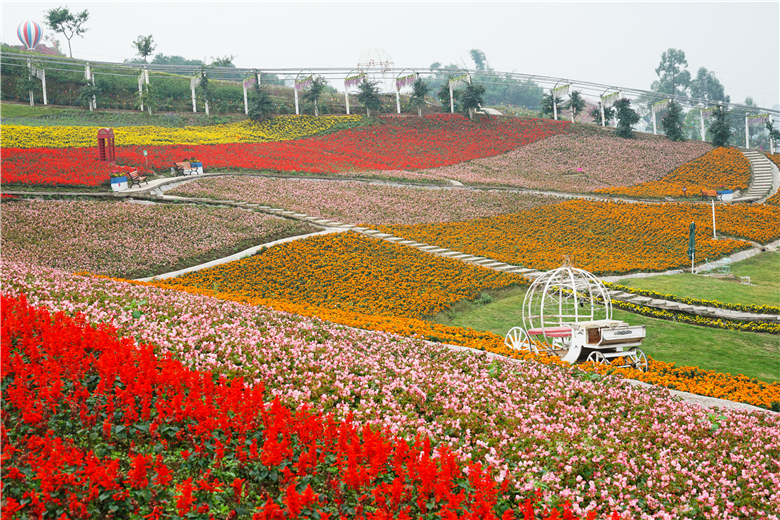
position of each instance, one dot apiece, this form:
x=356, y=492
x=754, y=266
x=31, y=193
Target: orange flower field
x=774, y=199
x=684, y=378
x=720, y=168
x=350, y=272
x=603, y=237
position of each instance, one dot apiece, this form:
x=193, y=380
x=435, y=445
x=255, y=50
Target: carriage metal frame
x=568, y=312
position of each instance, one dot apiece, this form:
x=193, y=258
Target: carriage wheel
x=517, y=338
x=598, y=358
x=639, y=360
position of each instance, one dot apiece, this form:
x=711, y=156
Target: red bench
x=551, y=332
x=134, y=177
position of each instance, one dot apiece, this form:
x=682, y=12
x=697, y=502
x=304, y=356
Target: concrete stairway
x=762, y=177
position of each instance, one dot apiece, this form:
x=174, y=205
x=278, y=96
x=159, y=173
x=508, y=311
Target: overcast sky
x=615, y=43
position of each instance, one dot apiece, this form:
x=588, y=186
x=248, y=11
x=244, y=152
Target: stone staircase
x=762, y=182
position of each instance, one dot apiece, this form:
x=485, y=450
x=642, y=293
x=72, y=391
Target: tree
x=147, y=98
x=226, y=61
x=547, y=105
x=706, y=86
x=673, y=79
x=672, y=122
x=774, y=134
x=26, y=85
x=313, y=93
x=61, y=20
x=145, y=46
x=162, y=59
x=260, y=104
x=89, y=92
x=368, y=96
x=419, y=91
x=627, y=117
x=576, y=104
x=720, y=129
x=479, y=58
x=471, y=98
x=609, y=113
x=443, y=95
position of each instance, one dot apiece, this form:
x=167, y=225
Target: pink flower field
x=594, y=441
x=123, y=238
x=552, y=163
x=357, y=202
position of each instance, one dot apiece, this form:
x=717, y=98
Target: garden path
x=711, y=312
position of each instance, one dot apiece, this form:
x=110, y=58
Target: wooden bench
x=709, y=193
x=184, y=168
x=134, y=177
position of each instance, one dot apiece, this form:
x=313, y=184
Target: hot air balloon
x=29, y=34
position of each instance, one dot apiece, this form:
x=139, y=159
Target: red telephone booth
x=106, y=150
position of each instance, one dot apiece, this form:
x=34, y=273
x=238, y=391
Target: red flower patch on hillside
x=410, y=143
x=94, y=426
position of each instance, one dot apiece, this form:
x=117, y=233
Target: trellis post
x=747, y=133
x=401, y=82
x=456, y=82
x=606, y=102
x=41, y=75
x=701, y=115
x=193, y=83
x=349, y=82
x=30, y=93
x=248, y=82
x=562, y=90
x=143, y=78
x=89, y=75
x=771, y=141
x=659, y=105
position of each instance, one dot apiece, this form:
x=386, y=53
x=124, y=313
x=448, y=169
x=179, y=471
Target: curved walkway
x=330, y=226
x=155, y=189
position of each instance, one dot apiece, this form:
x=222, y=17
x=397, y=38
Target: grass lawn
x=764, y=288
x=39, y=115
x=752, y=354
x=11, y=110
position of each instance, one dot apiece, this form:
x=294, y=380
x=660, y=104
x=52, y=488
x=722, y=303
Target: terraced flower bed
x=395, y=145
x=124, y=239
x=589, y=440
x=579, y=162
x=721, y=168
x=774, y=199
x=351, y=272
x=602, y=237
x=356, y=203
x=199, y=447
x=276, y=129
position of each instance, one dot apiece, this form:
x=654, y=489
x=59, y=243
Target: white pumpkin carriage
x=568, y=312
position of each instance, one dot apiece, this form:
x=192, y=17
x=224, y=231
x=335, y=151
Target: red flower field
x=94, y=426
x=410, y=143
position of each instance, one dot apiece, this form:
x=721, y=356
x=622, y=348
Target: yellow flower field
x=276, y=129
x=348, y=272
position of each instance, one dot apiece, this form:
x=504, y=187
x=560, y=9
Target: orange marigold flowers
x=720, y=168
x=603, y=237
x=349, y=272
